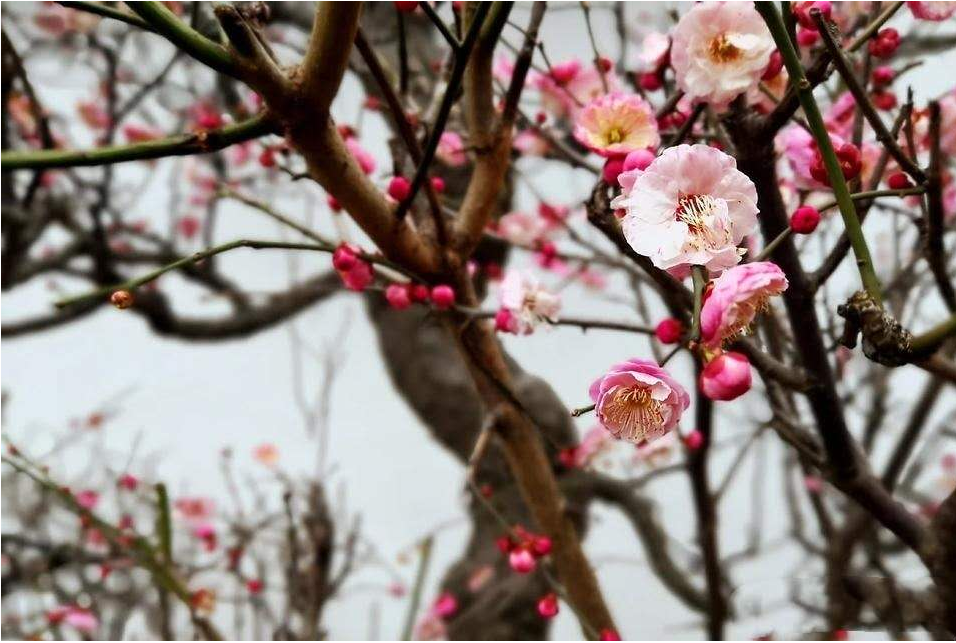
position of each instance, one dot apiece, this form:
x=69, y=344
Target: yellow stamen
x=721, y=50
x=634, y=412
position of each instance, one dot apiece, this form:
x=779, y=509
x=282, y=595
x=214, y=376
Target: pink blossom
x=451, y=149
x=529, y=143
x=655, y=48
x=140, y=133
x=82, y=620
x=638, y=400
x=93, y=114
x=480, y=577
x=195, y=509
x=87, y=499
x=935, y=11
x=720, y=50
x=529, y=303
x=690, y=206
x=800, y=150
x=521, y=560
x=570, y=86
x=657, y=452
x=266, y=453
x=445, y=605
x=358, y=277
x=738, y=295
x=616, y=124
x=726, y=377
x=595, y=442
x=521, y=228
x=548, y=605
x=365, y=160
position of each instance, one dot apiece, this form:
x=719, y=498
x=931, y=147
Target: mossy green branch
x=167, y=24
x=179, y=145
x=841, y=192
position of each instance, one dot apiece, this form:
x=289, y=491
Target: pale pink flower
x=529, y=303
x=935, y=11
x=616, y=124
x=638, y=400
x=451, y=149
x=195, y=509
x=799, y=149
x=658, y=452
x=720, y=50
x=947, y=122
x=267, y=454
x=87, y=499
x=654, y=51
x=595, y=442
x=93, y=114
x=521, y=228
x=529, y=143
x=690, y=206
x=739, y=293
x=839, y=116
x=480, y=577
x=570, y=86
x=80, y=619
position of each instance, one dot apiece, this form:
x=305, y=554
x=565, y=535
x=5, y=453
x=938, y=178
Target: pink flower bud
x=267, y=158
x=773, y=67
x=445, y=605
x=399, y=188
x=898, y=181
x=805, y=220
x=650, y=81
x=884, y=100
x=694, y=440
x=344, y=257
x=806, y=37
x=358, y=277
x=607, y=634
x=398, y=296
x=505, y=321
x=612, y=168
x=254, y=586
x=188, y=226
x=438, y=184
x=638, y=160
x=128, y=481
x=504, y=544
x=883, y=75
x=801, y=11
x=548, y=605
x=334, y=204
x=565, y=72
x=669, y=331
x=726, y=377
x=419, y=293
x=541, y=546
x=405, y=7
x=521, y=560
x=443, y=296
x=885, y=44
x=813, y=484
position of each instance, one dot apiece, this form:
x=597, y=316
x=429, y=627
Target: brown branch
x=933, y=232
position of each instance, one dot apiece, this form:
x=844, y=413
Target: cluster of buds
x=401, y=296
x=524, y=548
x=851, y=163
x=356, y=273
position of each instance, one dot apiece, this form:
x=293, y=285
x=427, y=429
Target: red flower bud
x=773, y=67
x=650, y=81
x=669, y=331
x=899, y=181
x=443, y=296
x=122, y=299
x=548, y=605
x=398, y=296
x=399, y=188
x=805, y=220
x=885, y=44
x=883, y=75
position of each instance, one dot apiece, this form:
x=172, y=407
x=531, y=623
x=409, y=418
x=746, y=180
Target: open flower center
x=634, y=410
x=614, y=135
x=721, y=50
x=699, y=212
x=746, y=311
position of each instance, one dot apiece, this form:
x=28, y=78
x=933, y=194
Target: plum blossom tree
x=742, y=127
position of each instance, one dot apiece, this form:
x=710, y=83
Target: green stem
x=194, y=258
x=935, y=336
x=100, y=9
x=179, y=145
x=770, y=247
x=168, y=25
x=419, y=587
x=844, y=200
